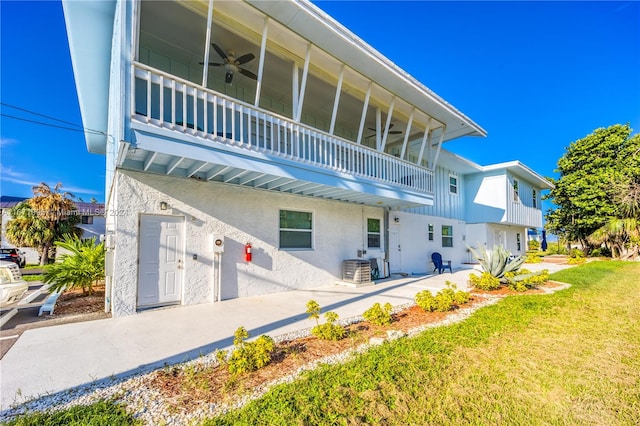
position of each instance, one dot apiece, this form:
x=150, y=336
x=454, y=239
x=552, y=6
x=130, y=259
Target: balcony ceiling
x=238, y=26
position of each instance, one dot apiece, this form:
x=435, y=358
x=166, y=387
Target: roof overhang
x=90, y=32
x=311, y=23
x=519, y=169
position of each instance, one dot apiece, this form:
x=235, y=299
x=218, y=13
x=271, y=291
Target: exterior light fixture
x=163, y=205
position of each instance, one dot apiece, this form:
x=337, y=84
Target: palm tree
x=83, y=267
x=622, y=233
x=43, y=219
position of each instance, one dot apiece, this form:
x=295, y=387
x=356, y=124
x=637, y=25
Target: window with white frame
x=431, y=232
x=518, y=244
x=373, y=233
x=534, y=197
x=516, y=196
x=296, y=229
x=447, y=236
x=453, y=184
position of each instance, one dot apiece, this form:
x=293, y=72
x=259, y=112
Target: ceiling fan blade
x=245, y=58
x=391, y=126
x=220, y=52
x=247, y=73
x=213, y=64
x=395, y=132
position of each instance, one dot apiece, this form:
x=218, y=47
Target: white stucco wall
x=243, y=216
x=416, y=249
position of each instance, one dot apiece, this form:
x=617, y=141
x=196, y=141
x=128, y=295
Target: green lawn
x=564, y=359
x=568, y=358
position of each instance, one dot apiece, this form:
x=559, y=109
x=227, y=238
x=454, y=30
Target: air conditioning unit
x=356, y=271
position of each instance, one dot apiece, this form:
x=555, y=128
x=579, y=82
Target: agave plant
x=498, y=262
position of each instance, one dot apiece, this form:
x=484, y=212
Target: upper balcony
x=179, y=124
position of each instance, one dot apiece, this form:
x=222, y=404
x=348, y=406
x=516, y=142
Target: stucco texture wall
x=242, y=216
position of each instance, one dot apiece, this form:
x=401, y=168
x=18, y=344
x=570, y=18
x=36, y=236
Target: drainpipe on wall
x=386, y=234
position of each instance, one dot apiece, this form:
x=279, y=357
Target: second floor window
x=453, y=184
x=447, y=236
x=516, y=196
x=431, y=232
x=296, y=230
x=534, y=197
x=373, y=233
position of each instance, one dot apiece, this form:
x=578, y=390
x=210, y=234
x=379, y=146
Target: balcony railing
x=170, y=102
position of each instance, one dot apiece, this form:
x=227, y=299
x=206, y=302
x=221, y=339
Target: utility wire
x=80, y=129
x=77, y=127
x=39, y=114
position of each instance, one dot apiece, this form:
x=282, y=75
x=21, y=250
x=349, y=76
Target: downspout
x=386, y=235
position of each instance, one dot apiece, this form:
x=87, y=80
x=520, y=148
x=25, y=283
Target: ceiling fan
x=232, y=64
x=391, y=132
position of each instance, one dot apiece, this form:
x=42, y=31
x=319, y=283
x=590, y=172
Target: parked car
x=13, y=255
x=12, y=286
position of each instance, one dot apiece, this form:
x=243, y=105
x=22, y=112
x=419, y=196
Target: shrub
x=525, y=280
x=600, y=252
x=486, y=281
x=443, y=301
x=533, y=258
x=328, y=330
x=460, y=297
x=534, y=245
x=576, y=253
x=426, y=301
x=249, y=356
x=379, y=315
x=576, y=260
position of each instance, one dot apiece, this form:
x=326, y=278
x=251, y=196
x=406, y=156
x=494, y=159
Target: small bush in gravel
x=443, y=301
x=250, y=356
x=379, y=315
x=329, y=330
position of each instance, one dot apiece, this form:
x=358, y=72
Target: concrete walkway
x=53, y=359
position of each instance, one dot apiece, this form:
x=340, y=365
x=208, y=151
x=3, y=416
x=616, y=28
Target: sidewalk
x=53, y=359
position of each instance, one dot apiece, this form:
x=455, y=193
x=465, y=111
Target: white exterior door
x=395, y=250
x=499, y=238
x=161, y=260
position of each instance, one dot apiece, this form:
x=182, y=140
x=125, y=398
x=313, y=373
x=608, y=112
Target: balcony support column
x=426, y=136
x=336, y=100
x=435, y=160
x=303, y=86
x=207, y=45
x=406, y=134
x=263, y=50
x=363, y=117
x=387, y=124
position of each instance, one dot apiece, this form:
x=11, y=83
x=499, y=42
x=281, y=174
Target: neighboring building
x=92, y=222
x=300, y=144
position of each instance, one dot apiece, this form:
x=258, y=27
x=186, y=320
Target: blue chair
x=439, y=264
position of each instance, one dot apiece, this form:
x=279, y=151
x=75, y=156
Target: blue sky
x=535, y=75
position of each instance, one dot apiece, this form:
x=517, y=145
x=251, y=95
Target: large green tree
x=596, y=174
x=40, y=221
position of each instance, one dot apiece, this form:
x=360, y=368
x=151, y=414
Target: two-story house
x=252, y=146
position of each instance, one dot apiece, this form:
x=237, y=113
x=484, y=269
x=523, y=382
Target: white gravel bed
x=149, y=405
